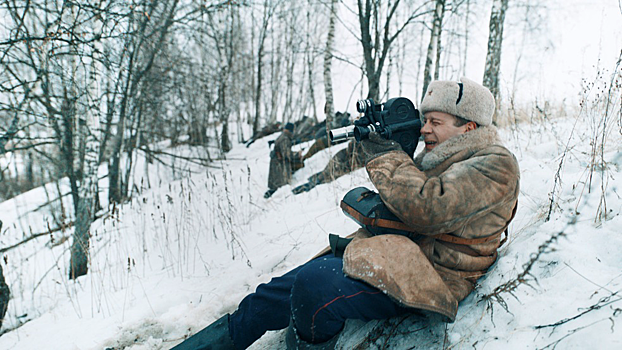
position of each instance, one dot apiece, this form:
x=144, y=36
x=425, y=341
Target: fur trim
x=467, y=99
x=474, y=140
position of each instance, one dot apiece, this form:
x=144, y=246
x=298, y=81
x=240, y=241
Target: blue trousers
x=317, y=295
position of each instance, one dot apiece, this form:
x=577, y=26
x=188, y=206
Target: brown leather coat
x=465, y=187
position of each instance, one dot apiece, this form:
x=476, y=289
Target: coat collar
x=473, y=140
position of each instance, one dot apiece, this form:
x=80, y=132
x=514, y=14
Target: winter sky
x=569, y=41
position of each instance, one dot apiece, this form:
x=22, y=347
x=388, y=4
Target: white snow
x=188, y=249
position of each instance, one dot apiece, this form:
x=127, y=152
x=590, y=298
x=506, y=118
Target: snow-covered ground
x=194, y=243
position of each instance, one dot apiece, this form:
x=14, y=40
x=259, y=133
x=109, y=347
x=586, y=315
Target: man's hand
x=376, y=145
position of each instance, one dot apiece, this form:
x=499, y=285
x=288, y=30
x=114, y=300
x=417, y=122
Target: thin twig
x=511, y=286
x=604, y=301
x=48, y=232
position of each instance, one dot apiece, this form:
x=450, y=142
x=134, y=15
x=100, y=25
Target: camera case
x=367, y=208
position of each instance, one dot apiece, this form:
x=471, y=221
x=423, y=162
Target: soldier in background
x=343, y=162
x=304, y=130
x=307, y=130
x=282, y=161
x=265, y=131
x=321, y=134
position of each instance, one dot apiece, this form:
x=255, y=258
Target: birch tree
x=329, y=108
x=88, y=189
x=90, y=136
x=434, y=47
x=291, y=36
x=310, y=55
x=493, y=56
x=225, y=31
x=51, y=63
x=149, y=28
x=268, y=11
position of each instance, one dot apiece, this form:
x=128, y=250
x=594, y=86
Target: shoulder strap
x=465, y=241
x=375, y=222
x=398, y=225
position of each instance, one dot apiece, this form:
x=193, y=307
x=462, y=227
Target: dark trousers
x=317, y=295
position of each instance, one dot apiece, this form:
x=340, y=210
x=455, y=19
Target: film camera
x=397, y=120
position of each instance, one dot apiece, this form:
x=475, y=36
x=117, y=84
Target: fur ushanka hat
x=467, y=99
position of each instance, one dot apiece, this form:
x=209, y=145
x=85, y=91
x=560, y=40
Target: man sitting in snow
x=459, y=194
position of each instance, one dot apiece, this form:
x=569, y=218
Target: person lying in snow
x=265, y=131
x=343, y=162
x=459, y=194
x=339, y=120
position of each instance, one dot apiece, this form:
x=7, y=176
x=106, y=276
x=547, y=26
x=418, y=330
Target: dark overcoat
x=281, y=158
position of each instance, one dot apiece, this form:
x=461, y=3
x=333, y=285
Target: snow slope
x=195, y=242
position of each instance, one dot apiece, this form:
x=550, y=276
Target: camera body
x=397, y=120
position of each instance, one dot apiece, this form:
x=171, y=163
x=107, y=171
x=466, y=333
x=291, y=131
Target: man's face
x=439, y=127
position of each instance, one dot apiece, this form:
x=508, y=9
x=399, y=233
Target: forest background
x=92, y=90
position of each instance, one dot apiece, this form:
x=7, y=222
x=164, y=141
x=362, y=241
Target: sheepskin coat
x=466, y=187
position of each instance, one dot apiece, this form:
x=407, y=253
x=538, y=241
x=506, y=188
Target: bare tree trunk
x=88, y=191
x=400, y=66
x=329, y=108
x=432, y=46
x=493, y=57
x=302, y=97
x=388, y=74
x=267, y=14
x=376, y=48
x=115, y=192
x=73, y=136
x=118, y=190
x=275, y=78
x=30, y=175
x=225, y=109
x=420, y=60
x=368, y=48
x=258, y=88
x=225, y=142
x=290, y=64
x=439, y=49
x=5, y=293
x=311, y=64
x=467, y=25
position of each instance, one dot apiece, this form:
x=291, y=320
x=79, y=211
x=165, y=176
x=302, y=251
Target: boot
x=293, y=341
x=268, y=194
x=303, y=188
x=213, y=337
x=313, y=181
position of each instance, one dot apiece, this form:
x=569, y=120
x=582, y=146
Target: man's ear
x=470, y=126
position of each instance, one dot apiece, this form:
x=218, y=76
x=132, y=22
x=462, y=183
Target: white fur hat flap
x=467, y=99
